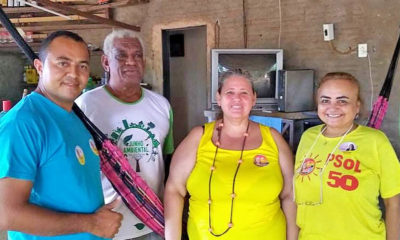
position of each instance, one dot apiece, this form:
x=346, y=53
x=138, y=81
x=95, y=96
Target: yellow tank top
x=257, y=212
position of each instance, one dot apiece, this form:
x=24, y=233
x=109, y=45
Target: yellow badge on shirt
x=80, y=155
x=93, y=147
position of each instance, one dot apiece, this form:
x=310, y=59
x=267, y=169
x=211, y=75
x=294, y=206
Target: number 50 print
x=347, y=182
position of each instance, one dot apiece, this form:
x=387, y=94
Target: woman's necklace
x=327, y=159
x=233, y=194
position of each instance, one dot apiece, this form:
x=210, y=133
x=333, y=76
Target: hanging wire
x=371, y=82
x=244, y=24
x=372, y=88
x=217, y=31
x=349, y=51
x=280, y=24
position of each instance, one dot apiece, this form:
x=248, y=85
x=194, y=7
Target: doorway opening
x=184, y=57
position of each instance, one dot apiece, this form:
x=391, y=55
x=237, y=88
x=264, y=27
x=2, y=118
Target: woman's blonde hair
x=235, y=72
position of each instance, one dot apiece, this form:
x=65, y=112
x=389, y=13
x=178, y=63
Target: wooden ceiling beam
x=25, y=10
x=62, y=27
x=50, y=19
x=67, y=0
x=83, y=7
x=70, y=10
x=115, y=4
x=10, y=10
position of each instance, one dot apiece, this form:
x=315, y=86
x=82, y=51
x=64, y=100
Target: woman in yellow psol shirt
x=238, y=174
x=342, y=168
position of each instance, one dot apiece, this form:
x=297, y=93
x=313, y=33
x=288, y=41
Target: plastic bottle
x=31, y=75
x=6, y=107
x=24, y=75
x=8, y=37
x=3, y=37
x=29, y=36
x=90, y=85
x=25, y=92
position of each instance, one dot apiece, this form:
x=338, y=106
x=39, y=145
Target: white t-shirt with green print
x=143, y=131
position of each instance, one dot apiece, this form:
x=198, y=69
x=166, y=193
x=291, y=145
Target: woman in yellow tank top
x=238, y=175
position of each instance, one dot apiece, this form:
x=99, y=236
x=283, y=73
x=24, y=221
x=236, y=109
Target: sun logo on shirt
x=80, y=155
x=308, y=167
x=93, y=147
x=260, y=160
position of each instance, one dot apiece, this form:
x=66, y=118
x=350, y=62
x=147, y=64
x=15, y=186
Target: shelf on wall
x=12, y=47
x=82, y=16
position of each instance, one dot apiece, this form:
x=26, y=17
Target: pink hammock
x=378, y=112
x=136, y=194
x=381, y=105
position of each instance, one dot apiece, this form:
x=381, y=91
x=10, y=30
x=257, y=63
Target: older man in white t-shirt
x=138, y=120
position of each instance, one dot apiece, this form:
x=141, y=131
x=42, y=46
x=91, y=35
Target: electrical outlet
x=362, y=50
x=328, y=32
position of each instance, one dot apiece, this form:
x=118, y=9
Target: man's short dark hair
x=46, y=42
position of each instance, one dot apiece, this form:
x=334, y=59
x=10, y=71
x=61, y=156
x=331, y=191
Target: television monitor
x=262, y=65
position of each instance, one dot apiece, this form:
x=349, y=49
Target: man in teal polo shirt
x=49, y=166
